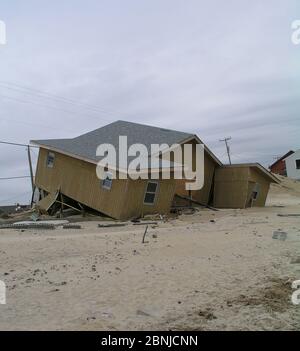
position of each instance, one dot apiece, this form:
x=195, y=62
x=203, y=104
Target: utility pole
x=30, y=167
x=227, y=147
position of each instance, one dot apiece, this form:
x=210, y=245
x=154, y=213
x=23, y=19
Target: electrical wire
x=43, y=94
x=9, y=178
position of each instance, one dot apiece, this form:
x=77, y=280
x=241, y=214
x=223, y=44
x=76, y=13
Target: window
x=50, y=159
x=297, y=164
x=150, y=193
x=255, y=192
x=107, y=181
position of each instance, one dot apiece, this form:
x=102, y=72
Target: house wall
x=78, y=180
x=279, y=168
x=292, y=171
x=202, y=195
x=234, y=187
x=134, y=199
x=264, y=186
x=231, y=187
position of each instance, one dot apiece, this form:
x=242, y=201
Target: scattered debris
x=111, y=225
x=51, y=222
x=207, y=314
x=295, y=260
x=34, y=217
x=4, y=216
x=275, y=297
x=289, y=215
x=257, y=222
x=32, y=225
x=146, y=229
x=72, y=226
x=142, y=313
x=146, y=223
x=279, y=235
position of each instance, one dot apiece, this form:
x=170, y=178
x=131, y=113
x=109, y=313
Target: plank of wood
x=145, y=223
x=111, y=225
x=289, y=215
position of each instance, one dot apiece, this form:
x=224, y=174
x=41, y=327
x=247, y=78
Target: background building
x=293, y=165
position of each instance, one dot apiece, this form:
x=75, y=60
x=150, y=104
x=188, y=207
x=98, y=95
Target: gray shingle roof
x=85, y=145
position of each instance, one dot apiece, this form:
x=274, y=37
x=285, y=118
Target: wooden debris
x=111, y=225
x=146, y=229
x=289, y=215
x=72, y=226
x=28, y=226
x=146, y=223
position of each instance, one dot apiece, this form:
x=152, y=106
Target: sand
x=206, y=271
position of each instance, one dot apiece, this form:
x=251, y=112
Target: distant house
x=242, y=185
x=66, y=174
x=279, y=167
x=293, y=165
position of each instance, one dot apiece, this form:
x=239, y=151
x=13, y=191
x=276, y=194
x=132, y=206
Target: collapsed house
x=242, y=185
x=66, y=169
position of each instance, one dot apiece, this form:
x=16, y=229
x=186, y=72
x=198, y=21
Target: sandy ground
x=207, y=271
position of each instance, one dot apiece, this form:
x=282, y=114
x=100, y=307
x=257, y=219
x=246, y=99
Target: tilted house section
x=204, y=195
x=68, y=166
x=242, y=185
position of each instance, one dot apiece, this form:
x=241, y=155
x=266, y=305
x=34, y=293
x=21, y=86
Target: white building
x=292, y=163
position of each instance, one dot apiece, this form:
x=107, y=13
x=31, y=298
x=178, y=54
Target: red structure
x=278, y=167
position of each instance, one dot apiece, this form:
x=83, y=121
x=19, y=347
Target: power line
x=43, y=105
x=40, y=93
x=28, y=156
x=17, y=144
x=43, y=94
x=8, y=178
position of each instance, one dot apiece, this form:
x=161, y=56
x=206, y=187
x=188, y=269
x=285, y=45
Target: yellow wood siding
x=231, y=187
x=234, y=186
x=78, y=180
x=264, y=186
x=135, y=198
x=203, y=194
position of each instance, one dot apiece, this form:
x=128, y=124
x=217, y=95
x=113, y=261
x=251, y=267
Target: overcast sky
x=214, y=68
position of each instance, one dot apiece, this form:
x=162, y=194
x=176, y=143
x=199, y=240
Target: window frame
x=297, y=163
x=105, y=179
x=52, y=155
x=256, y=191
x=151, y=192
